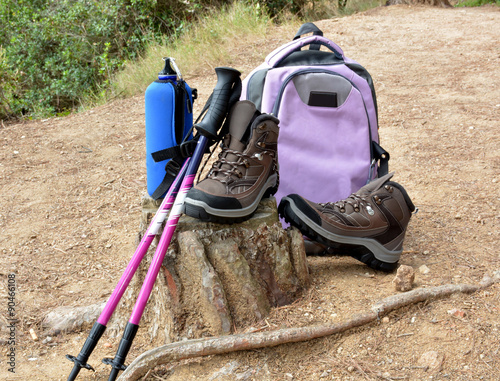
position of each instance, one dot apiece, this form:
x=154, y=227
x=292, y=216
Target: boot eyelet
x=377, y=199
x=261, y=144
x=262, y=127
x=342, y=210
x=258, y=156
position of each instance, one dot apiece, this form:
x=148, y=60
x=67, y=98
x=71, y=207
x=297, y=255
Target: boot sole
x=204, y=212
x=366, y=250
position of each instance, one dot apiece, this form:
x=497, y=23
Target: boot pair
x=369, y=225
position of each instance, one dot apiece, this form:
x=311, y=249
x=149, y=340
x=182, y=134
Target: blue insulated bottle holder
x=169, y=118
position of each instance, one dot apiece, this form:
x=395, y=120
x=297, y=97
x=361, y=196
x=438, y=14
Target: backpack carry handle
x=306, y=28
x=278, y=55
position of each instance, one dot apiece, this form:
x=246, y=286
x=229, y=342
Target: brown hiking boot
x=245, y=172
x=369, y=225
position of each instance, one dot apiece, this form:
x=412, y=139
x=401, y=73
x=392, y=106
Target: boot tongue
x=241, y=117
x=375, y=184
x=240, y=122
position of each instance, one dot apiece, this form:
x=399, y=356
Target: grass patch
x=206, y=44
x=476, y=3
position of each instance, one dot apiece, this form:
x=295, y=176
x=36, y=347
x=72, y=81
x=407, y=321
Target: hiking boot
x=245, y=172
x=369, y=225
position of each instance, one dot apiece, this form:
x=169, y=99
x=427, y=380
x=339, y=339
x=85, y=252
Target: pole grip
x=219, y=105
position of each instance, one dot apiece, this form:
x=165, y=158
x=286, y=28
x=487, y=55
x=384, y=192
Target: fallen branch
x=231, y=343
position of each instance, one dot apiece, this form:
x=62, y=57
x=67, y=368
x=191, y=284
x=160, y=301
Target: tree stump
x=217, y=279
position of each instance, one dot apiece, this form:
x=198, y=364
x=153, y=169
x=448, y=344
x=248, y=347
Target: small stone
x=386, y=319
x=456, y=312
x=33, y=334
x=48, y=339
x=432, y=360
x=404, y=279
x=107, y=345
x=424, y=270
x=350, y=368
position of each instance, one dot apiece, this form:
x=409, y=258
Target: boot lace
x=355, y=200
x=230, y=168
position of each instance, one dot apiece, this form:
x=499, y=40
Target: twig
x=231, y=343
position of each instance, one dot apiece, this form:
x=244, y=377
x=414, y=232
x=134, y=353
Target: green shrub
x=66, y=50
x=476, y=3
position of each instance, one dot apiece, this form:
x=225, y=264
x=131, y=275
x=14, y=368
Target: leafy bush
x=476, y=3
x=64, y=50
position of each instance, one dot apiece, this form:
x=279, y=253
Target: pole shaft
x=168, y=232
x=142, y=249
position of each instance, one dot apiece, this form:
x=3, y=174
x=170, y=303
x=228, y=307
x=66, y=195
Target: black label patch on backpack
x=322, y=99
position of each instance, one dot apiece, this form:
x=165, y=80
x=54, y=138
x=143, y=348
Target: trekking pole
x=100, y=325
x=224, y=93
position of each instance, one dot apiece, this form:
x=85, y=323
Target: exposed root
x=231, y=343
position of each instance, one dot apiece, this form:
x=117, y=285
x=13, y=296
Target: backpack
x=328, y=141
x=169, y=121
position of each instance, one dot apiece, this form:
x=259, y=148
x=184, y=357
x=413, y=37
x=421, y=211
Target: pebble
x=424, y=270
x=404, y=279
x=456, y=312
x=432, y=359
x=33, y=334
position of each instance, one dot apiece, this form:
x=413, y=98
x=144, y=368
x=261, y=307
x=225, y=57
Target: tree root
x=232, y=343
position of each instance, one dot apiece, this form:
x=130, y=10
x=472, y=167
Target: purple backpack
x=328, y=142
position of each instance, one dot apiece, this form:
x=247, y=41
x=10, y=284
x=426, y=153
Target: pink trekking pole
x=100, y=325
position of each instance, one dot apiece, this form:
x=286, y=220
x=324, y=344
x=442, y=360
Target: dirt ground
x=70, y=209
